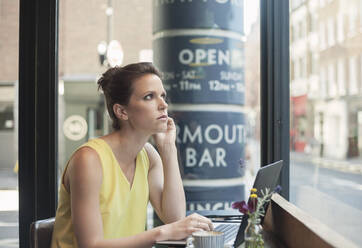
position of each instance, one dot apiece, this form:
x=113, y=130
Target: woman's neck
x=126, y=144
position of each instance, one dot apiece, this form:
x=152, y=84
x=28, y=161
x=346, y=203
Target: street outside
x=9, y=228
x=330, y=191
x=326, y=189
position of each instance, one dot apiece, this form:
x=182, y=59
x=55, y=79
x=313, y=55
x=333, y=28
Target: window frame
x=38, y=103
x=38, y=113
x=275, y=92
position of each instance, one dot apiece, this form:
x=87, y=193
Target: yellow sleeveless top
x=123, y=209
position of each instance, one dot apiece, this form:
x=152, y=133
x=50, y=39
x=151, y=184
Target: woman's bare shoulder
x=85, y=154
x=85, y=166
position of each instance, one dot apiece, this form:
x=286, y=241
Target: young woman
x=108, y=181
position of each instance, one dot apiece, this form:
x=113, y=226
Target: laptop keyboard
x=230, y=231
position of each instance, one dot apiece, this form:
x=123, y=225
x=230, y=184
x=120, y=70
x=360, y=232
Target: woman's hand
x=167, y=138
x=185, y=227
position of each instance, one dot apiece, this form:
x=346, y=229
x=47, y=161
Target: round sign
x=75, y=127
x=114, y=53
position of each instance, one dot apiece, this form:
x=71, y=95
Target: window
x=341, y=77
x=353, y=83
x=340, y=27
x=332, y=89
x=323, y=83
x=303, y=67
x=323, y=168
x=297, y=68
x=322, y=35
x=313, y=22
x=314, y=62
x=296, y=31
x=300, y=30
x=331, y=37
x=222, y=70
x=352, y=21
x=9, y=50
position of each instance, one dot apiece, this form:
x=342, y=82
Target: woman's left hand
x=167, y=138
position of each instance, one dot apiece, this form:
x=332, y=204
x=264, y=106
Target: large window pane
x=326, y=171
x=9, y=46
x=88, y=28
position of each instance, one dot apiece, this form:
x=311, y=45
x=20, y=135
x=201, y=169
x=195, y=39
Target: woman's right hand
x=185, y=227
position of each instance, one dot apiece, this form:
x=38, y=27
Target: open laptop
x=267, y=177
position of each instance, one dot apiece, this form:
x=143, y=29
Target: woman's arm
x=166, y=190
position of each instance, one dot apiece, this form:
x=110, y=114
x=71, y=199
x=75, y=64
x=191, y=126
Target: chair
x=41, y=233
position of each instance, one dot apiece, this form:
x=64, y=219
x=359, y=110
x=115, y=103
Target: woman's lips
x=162, y=117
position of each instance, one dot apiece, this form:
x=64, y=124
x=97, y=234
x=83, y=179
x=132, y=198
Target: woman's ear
x=120, y=112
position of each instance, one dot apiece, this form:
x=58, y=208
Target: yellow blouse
x=123, y=209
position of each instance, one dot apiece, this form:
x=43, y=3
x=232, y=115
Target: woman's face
x=147, y=108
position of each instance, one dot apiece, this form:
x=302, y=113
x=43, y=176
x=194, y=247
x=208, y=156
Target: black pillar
x=38, y=97
x=274, y=93
x=199, y=47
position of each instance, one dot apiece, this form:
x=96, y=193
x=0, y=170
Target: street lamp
x=110, y=54
x=102, y=50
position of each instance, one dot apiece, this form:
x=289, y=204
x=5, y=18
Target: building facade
x=326, y=63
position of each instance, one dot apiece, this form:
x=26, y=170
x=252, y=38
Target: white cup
x=206, y=239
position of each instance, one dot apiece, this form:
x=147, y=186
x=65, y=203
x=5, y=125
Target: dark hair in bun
x=116, y=84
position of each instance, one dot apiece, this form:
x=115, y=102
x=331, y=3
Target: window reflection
x=326, y=63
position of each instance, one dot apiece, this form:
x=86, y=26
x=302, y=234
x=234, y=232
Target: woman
x=108, y=181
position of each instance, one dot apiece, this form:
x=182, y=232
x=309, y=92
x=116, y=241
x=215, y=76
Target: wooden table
x=285, y=225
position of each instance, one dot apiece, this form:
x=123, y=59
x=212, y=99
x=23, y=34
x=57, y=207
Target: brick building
x=82, y=26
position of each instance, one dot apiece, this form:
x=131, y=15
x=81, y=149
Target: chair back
x=41, y=233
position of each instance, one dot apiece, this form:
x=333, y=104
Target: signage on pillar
x=202, y=69
x=179, y=14
x=212, y=198
x=198, y=45
x=210, y=143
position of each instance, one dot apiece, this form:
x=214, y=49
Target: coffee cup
x=206, y=239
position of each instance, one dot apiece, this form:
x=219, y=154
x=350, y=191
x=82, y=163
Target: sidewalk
x=353, y=165
x=8, y=179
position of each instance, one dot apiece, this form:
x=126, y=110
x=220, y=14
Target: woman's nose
x=163, y=103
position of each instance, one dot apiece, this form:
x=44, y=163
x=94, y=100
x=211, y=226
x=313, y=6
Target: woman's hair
x=116, y=84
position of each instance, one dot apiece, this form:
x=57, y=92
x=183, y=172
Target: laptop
x=231, y=222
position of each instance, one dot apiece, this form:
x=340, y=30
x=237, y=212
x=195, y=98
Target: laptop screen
x=267, y=177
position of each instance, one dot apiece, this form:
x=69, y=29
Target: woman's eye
x=148, y=97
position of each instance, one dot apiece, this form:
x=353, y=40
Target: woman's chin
x=162, y=129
